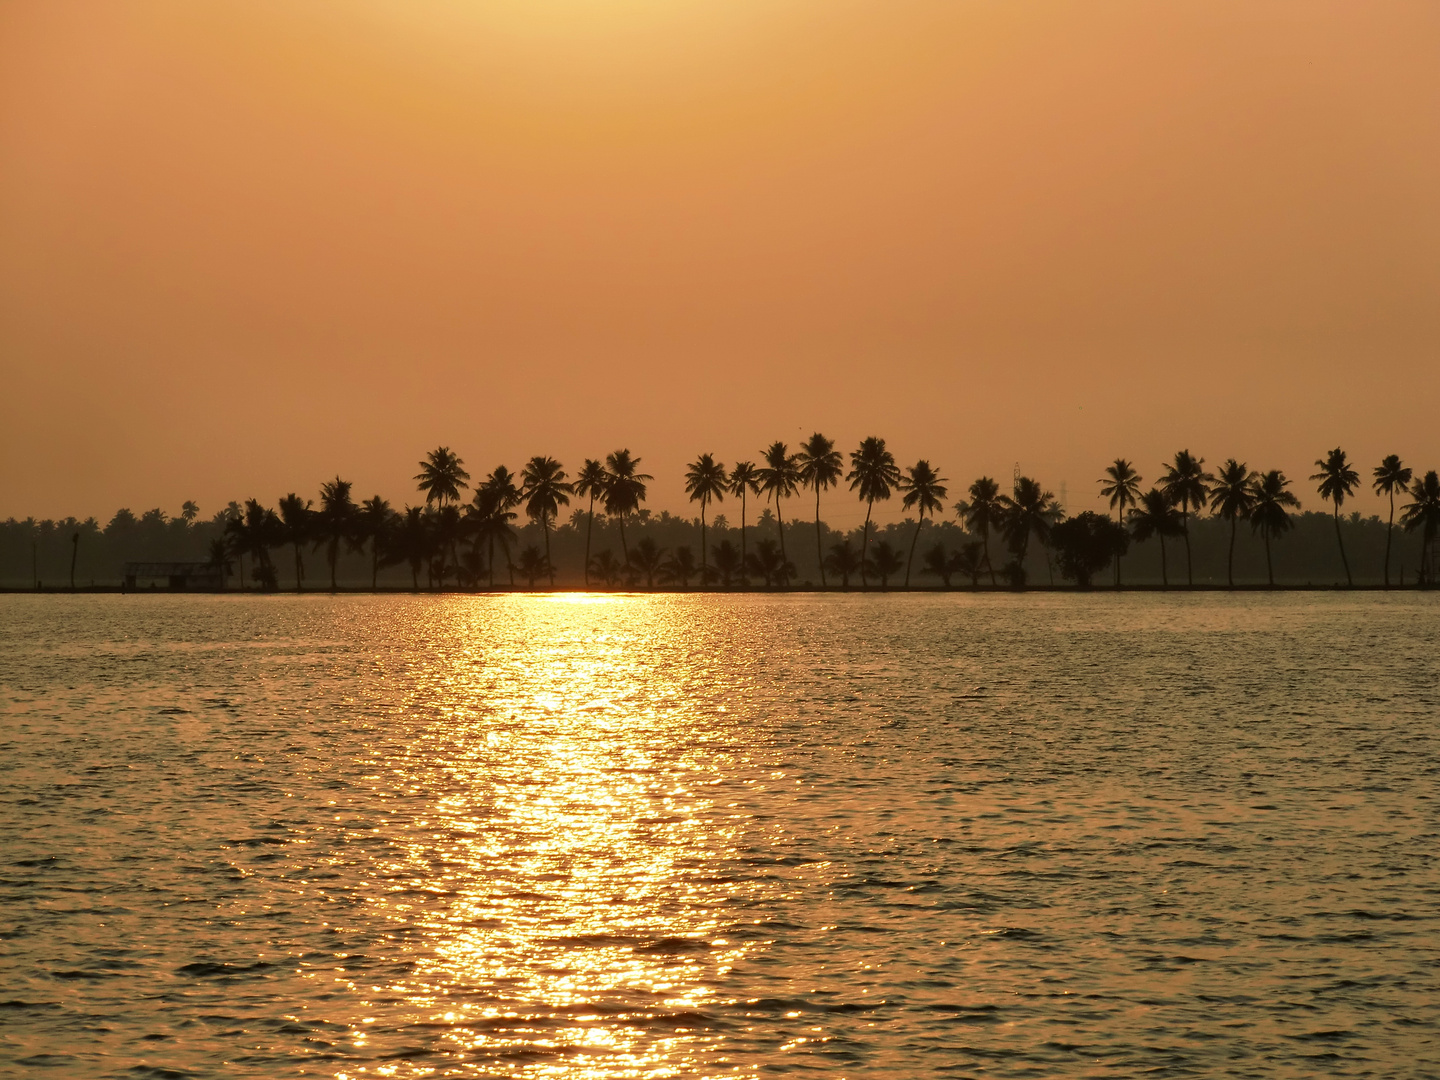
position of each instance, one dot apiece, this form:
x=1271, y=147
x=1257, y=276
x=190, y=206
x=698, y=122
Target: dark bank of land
x=739, y=590
x=1233, y=528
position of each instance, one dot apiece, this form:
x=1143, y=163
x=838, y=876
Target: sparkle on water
x=596, y=837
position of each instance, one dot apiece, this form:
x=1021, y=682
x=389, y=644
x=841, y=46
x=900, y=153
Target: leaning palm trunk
x=374, y=563
x=545, y=528
x=985, y=536
x=1164, y=569
x=913, y=541
x=1269, y=566
x=1341, y=541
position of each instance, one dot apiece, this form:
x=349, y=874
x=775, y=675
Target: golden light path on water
x=575, y=849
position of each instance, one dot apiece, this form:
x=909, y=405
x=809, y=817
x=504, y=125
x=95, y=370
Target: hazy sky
x=244, y=245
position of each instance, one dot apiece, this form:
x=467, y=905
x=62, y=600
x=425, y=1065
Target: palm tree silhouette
x=924, y=489
x=220, y=558
x=938, y=562
x=412, y=541
x=983, y=511
x=1391, y=476
x=704, y=480
x=442, y=476
x=257, y=532
x=768, y=563
x=843, y=560
x=885, y=561
x=1423, y=513
x=1185, y=482
x=545, y=491
x=873, y=473
x=1156, y=516
x=624, y=491
x=1122, y=487
x=969, y=560
x=298, y=520
x=1337, y=480
x=495, y=501
x=1268, y=516
x=533, y=565
x=728, y=562
x=607, y=568
x=374, y=523
x=680, y=567
x=744, y=478
x=446, y=527
x=490, y=521
x=1029, y=511
x=1231, y=497
x=646, y=559
x=189, y=511
x=335, y=523
x=821, y=467
x=590, y=482
x=780, y=477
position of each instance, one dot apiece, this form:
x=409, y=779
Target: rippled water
x=699, y=836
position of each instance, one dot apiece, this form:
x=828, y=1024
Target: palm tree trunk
x=492, y=560
x=742, y=532
x=985, y=537
x=1269, y=567
x=74, y=554
x=780, y=524
x=589, y=528
x=913, y=541
x=332, y=554
x=1389, y=530
x=704, y=558
x=624, y=546
x=1341, y=541
x=374, y=561
x=819, y=546
x=1189, y=567
x=1164, y=567
x=865, y=544
x=299, y=568
x=1230, y=565
x=545, y=528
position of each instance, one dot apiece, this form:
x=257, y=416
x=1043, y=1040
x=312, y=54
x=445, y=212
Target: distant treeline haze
x=761, y=523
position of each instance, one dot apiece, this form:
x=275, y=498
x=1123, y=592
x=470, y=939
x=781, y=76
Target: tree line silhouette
x=467, y=537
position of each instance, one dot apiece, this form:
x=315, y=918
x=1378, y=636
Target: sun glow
x=569, y=858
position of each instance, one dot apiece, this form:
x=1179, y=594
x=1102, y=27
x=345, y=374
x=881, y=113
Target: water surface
x=691, y=836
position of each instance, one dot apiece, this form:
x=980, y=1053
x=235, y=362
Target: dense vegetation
x=1232, y=527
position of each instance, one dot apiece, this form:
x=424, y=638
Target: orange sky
x=246, y=245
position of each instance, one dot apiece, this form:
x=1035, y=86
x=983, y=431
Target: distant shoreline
x=745, y=590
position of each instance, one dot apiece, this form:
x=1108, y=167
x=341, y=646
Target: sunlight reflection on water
x=613, y=836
